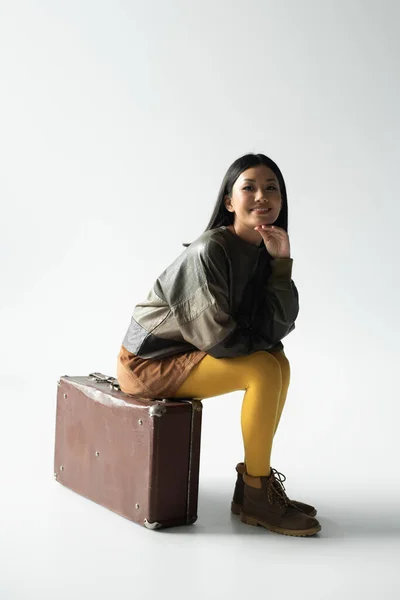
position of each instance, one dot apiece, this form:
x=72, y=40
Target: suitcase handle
x=100, y=378
x=114, y=385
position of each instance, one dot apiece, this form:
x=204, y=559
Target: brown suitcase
x=137, y=456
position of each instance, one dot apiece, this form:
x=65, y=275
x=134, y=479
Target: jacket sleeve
x=277, y=306
x=204, y=318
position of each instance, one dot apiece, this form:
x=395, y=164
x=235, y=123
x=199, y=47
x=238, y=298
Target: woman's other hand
x=275, y=239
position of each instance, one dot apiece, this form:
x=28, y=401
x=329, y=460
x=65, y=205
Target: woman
x=213, y=324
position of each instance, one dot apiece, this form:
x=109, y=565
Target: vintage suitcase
x=137, y=456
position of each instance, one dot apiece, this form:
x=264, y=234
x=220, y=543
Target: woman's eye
x=249, y=186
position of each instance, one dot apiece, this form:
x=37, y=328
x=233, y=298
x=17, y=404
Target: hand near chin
x=276, y=240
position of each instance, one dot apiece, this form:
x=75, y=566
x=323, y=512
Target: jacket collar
x=247, y=247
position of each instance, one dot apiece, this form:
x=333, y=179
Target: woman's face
x=256, y=187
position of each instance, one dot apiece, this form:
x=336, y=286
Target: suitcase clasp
x=100, y=378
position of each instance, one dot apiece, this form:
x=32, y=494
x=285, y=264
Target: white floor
x=57, y=544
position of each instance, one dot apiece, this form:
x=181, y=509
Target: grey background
x=118, y=122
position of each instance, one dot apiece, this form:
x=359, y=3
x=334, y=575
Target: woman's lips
x=261, y=211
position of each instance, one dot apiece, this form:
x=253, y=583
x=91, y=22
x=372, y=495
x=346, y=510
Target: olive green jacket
x=222, y=295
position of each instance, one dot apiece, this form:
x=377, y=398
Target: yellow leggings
x=265, y=376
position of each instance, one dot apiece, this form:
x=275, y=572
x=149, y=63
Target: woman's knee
x=284, y=363
x=263, y=365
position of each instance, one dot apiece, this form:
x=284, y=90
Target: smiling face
x=256, y=187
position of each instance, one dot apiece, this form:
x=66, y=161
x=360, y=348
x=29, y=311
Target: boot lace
x=276, y=489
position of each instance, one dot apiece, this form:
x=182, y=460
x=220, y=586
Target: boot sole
x=249, y=520
x=237, y=508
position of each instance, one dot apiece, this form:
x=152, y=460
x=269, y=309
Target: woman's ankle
x=254, y=481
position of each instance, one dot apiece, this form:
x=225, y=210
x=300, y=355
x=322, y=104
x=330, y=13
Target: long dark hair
x=221, y=215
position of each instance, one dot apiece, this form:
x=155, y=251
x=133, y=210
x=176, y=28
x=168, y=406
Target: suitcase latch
x=100, y=378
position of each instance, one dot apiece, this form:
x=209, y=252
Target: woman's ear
x=227, y=202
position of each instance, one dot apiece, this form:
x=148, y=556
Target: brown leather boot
x=237, y=500
x=265, y=504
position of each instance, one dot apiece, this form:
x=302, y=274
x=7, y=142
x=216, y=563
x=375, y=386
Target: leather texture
x=222, y=295
x=135, y=456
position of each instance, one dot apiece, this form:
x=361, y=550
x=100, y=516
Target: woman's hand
x=275, y=239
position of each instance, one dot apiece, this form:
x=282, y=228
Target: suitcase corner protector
x=149, y=525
